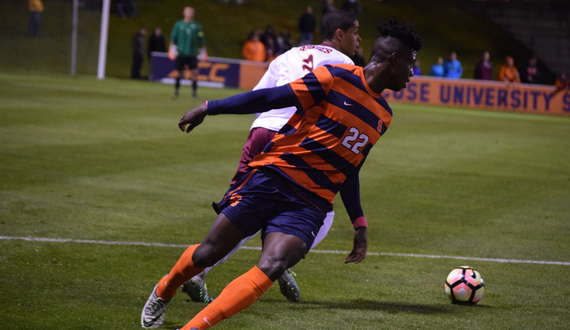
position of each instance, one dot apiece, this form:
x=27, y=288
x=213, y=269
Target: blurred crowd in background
x=508, y=73
x=264, y=45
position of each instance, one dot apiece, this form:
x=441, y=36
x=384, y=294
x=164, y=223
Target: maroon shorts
x=257, y=139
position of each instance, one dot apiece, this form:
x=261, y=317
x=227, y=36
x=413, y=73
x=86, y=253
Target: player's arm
x=173, y=48
x=302, y=93
x=201, y=37
x=261, y=100
x=202, y=52
x=350, y=193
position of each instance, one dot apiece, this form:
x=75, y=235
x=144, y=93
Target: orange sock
x=236, y=296
x=180, y=273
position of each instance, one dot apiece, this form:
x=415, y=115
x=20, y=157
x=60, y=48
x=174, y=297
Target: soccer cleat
x=196, y=289
x=288, y=286
x=153, y=311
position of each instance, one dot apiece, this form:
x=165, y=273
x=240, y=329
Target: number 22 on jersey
x=349, y=139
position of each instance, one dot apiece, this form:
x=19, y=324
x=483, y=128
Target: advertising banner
x=214, y=72
x=483, y=95
x=459, y=93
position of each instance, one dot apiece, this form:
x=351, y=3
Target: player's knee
x=273, y=268
x=206, y=256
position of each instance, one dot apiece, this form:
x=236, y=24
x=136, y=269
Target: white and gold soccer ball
x=464, y=286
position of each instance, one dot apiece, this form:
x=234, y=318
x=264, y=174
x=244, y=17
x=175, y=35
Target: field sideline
x=515, y=261
x=96, y=162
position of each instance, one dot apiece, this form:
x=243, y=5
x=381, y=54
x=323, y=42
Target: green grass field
x=84, y=159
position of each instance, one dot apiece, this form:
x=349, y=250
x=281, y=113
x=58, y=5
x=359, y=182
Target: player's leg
x=32, y=24
x=238, y=246
x=179, y=66
x=196, y=288
x=257, y=139
x=242, y=203
x=222, y=237
x=288, y=234
x=220, y=240
x=193, y=66
x=136, y=67
x=194, y=78
x=280, y=251
x=287, y=283
x=198, y=292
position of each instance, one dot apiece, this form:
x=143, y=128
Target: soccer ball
x=464, y=286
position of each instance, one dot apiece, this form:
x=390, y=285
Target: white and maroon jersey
x=288, y=67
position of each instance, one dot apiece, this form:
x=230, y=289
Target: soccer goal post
x=103, y=39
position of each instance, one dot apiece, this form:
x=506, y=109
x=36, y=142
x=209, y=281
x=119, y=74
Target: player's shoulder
x=342, y=73
x=316, y=49
x=328, y=55
x=342, y=68
x=346, y=66
x=179, y=23
x=319, y=49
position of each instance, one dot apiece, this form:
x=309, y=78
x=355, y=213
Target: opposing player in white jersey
x=339, y=30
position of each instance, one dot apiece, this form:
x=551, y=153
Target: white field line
x=409, y=255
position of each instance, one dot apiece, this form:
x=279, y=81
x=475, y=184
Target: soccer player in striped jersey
x=340, y=115
x=339, y=30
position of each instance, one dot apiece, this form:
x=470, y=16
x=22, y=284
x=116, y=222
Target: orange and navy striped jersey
x=338, y=119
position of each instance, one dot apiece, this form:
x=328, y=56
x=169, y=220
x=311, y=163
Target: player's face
x=188, y=13
x=350, y=41
x=403, y=70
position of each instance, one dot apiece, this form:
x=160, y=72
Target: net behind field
x=50, y=50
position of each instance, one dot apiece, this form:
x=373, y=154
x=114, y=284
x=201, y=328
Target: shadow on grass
x=359, y=304
x=389, y=307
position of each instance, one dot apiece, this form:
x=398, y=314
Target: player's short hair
x=395, y=37
x=336, y=19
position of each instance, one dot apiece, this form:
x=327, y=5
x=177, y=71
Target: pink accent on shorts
x=257, y=139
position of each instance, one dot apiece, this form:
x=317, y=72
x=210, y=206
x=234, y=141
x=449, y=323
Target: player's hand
x=193, y=118
x=202, y=54
x=360, y=244
x=172, y=52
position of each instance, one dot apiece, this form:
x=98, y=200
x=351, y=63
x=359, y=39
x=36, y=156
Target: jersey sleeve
x=335, y=57
x=255, y=101
x=302, y=93
x=350, y=194
x=201, y=38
